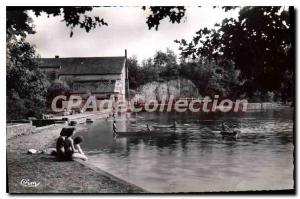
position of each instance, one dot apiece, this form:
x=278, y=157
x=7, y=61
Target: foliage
x=161, y=67
x=19, y=21
x=210, y=78
x=56, y=88
x=174, y=13
x=252, y=54
x=27, y=85
x=258, y=42
x=150, y=71
x=135, y=73
x=165, y=64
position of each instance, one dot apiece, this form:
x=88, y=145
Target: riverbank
x=52, y=176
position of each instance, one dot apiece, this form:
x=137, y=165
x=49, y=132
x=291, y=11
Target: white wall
x=118, y=87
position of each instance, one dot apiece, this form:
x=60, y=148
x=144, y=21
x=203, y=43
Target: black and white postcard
x=150, y=99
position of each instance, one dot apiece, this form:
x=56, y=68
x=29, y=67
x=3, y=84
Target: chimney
x=126, y=68
x=56, y=56
x=126, y=78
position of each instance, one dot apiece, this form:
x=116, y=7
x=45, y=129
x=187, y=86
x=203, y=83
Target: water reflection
x=196, y=158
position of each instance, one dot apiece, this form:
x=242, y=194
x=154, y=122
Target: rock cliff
x=157, y=90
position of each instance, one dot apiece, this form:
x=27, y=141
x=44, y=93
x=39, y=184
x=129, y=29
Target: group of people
x=68, y=148
x=148, y=128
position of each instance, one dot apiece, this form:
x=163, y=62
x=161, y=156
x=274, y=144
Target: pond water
x=196, y=158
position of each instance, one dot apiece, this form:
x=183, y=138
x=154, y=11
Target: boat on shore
x=233, y=134
x=163, y=126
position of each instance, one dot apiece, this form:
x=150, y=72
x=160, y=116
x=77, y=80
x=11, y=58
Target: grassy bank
x=54, y=176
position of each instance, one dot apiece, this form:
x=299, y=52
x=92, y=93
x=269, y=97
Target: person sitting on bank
x=78, y=153
x=115, y=127
x=60, y=151
x=69, y=143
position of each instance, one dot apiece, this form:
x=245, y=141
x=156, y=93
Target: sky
x=127, y=29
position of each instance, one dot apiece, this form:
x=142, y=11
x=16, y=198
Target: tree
x=150, y=72
x=162, y=66
x=165, y=64
x=18, y=20
x=174, y=13
x=258, y=42
x=209, y=77
x=136, y=75
x=56, y=88
x=212, y=79
x=27, y=85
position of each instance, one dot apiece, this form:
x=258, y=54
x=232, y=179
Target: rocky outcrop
x=179, y=88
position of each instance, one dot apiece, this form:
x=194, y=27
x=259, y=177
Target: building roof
x=85, y=65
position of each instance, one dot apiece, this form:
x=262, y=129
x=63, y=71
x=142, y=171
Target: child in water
x=115, y=126
x=148, y=128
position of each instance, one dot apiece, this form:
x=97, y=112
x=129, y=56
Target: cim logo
x=28, y=183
